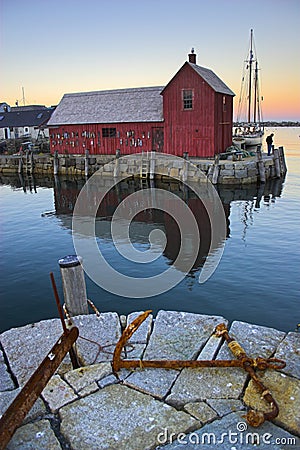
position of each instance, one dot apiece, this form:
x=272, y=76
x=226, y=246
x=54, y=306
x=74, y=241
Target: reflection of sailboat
x=250, y=131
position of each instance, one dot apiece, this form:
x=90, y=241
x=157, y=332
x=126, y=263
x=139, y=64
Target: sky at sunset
x=60, y=46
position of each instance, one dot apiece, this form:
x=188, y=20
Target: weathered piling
x=261, y=166
x=74, y=285
x=20, y=167
x=117, y=164
x=86, y=163
x=282, y=161
x=215, y=174
x=152, y=165
x=55, y=163
x=277, y=163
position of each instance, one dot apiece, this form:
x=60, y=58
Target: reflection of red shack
x=66, y=194
x=174, y=235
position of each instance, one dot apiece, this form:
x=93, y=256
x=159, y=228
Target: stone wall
x=221, y=172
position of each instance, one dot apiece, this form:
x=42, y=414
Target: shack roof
x=111, y=106
x=209, y=76
x=25, y=118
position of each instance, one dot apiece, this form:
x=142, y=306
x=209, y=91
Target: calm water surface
x=256, y=281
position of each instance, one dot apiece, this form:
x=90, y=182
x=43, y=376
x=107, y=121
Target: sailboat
x=250, y=131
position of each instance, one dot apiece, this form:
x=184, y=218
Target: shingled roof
x=212, y=79
x=31, y=117
x=114, y=106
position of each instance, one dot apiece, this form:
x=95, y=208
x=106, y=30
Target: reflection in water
x=66, y=191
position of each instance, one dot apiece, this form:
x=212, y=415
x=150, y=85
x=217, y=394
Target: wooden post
x=277, y=163
x=117, y=164
x=86, y=163
x=55, y=163
x=152, y=165
x=282, y=160
x=74, y=285
x=216, y=171
x=261, y=166
x=31, y=162
x=20, y=169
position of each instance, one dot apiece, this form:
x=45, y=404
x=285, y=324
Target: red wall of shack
x=129, y=138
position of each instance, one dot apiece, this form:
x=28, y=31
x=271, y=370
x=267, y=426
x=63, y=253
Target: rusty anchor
x=250, y=365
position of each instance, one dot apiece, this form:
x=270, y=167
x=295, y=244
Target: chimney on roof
x=192, y=56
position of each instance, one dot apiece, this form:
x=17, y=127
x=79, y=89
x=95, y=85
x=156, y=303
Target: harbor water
x=256, y=281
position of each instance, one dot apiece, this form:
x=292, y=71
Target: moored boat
x=250, y=131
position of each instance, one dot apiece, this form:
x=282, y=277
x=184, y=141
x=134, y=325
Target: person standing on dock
x=269, y=142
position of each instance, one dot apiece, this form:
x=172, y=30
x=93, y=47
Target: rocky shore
x=90, y=408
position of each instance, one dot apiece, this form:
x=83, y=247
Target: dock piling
x=261, y=166
x=282, y=160
x=55, y=163
x=277, y=163
x=86, y=163
x=74, y=285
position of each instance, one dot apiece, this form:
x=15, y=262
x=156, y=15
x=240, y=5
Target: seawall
x=247, y=171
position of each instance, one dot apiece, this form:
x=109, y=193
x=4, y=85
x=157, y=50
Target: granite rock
x=34, y=436
x=225, y=406
x=58, y=393
x=105, y=330
x=6, y=383
x=80, y=378
x=6, y=398
x=286, y=392
x=180, y=335
x=156, y=382
x=194, y=385
x=118, y=417
x=140, y=337
x=201, y=411
x=25, y=355
x=256, y=340
x=289, y=351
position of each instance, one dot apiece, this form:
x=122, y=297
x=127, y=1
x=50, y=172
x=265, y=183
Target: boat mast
x=250, y=76
x=255, y=106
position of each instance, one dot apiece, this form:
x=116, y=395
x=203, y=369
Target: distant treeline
x=284, y=123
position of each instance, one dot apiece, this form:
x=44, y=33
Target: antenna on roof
x=23, y=97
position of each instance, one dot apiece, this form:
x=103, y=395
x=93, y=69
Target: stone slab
x=104, y=330
x=180, y=335
x=58, y=393
x=26, y=347
x=6, y=383
x=156, y=382
x=289, y=351
x=225, y=406
x=228, y=434
x=210, y=349
x=118, y=417
x=84, y=376
x=256, y=340
x=6, y=398
x=194, y=385
x=201, y=411
x=140, y=338
x=286, y=392
x=37, y=436
x=110, y=379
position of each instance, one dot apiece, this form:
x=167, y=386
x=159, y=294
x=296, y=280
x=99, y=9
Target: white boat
x=250, y=131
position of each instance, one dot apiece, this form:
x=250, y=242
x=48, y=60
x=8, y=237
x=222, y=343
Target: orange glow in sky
x=51, y=48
